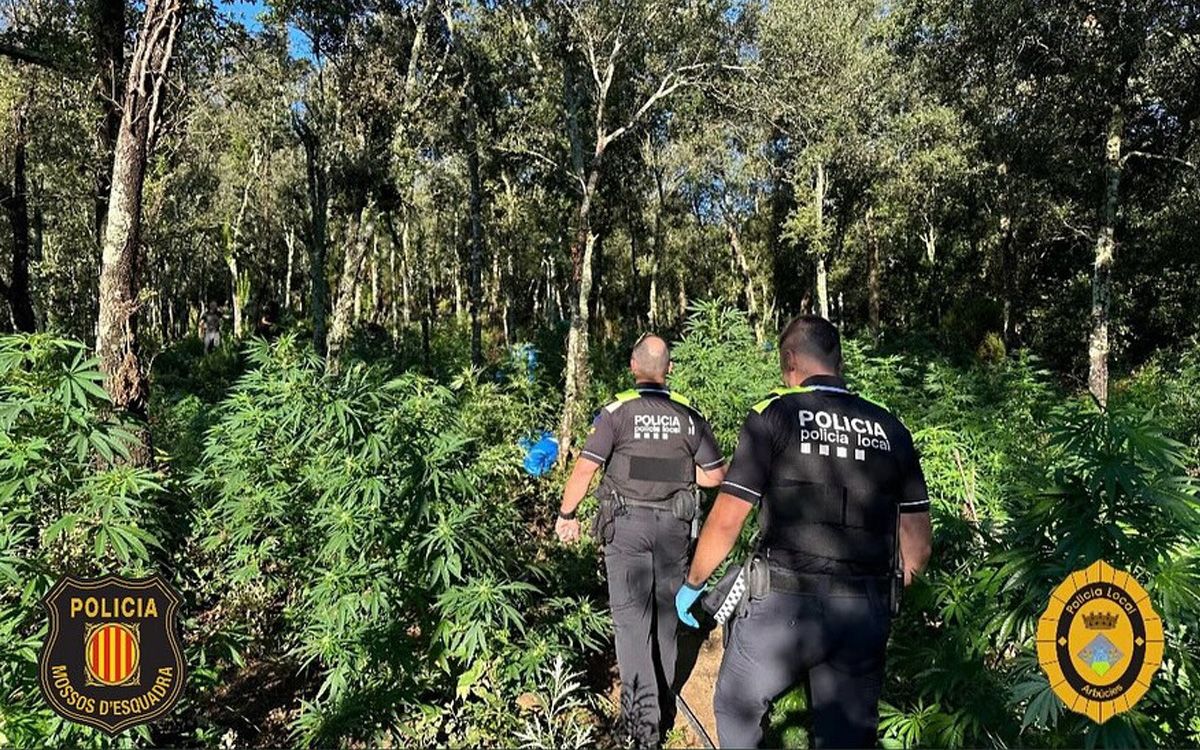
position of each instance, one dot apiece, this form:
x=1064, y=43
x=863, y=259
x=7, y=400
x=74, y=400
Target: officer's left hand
x=567, y=531
x=684, y=600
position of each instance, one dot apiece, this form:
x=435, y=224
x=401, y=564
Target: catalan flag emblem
x=112, y=651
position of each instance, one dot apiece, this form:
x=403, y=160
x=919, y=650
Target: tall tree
x=107, y=22
x=14, y=198
x=656, y=56
x=117, y=343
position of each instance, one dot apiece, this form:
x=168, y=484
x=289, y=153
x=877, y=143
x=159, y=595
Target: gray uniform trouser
x=836, y=642
x=646, y=562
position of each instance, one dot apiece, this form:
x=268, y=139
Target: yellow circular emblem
x=1100, y=641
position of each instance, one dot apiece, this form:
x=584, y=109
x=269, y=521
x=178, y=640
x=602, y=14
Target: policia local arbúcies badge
x=112, y=658
x=1100, y=641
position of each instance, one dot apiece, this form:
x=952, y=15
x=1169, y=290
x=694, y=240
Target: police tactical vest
x=652, y=459
x=831, y=505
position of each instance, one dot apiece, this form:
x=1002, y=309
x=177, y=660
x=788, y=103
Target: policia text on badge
x=111, y=607
x=833, y=428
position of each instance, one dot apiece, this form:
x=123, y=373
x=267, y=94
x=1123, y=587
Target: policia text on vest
x=843, y=508
x=655, y=449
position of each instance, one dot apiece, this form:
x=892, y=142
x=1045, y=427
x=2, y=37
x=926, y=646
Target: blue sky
x=248, y=14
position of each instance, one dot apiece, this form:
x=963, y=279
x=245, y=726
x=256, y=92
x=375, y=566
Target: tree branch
x=670, y=83
x=1160, y=157
x=33, y=57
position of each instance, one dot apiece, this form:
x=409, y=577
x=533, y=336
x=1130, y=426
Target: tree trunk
x=681, y=299
x=659, y=250
x=318, y=205
x=235, y=279
x=116, y=344
x=1106, y=247
x=1008, y=284
x=393, y=287
x=373, y=260
x=652, y=303
x=290, y=240
x=874, y=282
x=107, y=19
x=577, y=336
x=361, y=234
x=475, y=265
x=15, y=201
x=427, y=309
x=822, y=250
x=405, y=267
x=577, y=348
x=739, y=255
x=239, y=286
x=495, y=313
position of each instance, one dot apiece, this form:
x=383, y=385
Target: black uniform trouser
x=837, y=642
x=646, y=562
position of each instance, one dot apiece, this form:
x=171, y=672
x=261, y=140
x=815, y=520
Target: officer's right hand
x=684, y=600
x=567, y=530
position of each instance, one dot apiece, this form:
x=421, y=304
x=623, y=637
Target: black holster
x=759, y=579
x=603, y=526
x=686, y=507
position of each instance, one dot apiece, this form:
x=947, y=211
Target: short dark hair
x=811, y=337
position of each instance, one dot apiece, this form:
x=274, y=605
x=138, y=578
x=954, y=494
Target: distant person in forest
x=654, y=449
x=267, y=326
x=210, y=327
x=844, y=526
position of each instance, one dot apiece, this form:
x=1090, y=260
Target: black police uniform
x=831, y=472
x=649, y=441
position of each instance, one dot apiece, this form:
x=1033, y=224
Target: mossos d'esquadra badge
x=112, y=658
x=1099, y=641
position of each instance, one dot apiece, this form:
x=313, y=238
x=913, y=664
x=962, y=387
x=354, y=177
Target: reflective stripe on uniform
x=622, y=397
x=742, y=487
x=677, y=398
x=761, y=406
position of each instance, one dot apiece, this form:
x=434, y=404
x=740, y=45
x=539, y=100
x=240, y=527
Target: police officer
x=836, y=480
x=654, y=449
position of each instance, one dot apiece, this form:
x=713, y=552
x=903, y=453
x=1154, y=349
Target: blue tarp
x=540, y=453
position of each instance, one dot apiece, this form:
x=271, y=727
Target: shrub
x=69, y=503
x=363, y=528
x=1110, y=486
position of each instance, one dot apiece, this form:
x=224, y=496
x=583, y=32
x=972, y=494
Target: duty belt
x=684, y=505
x=818, y=584
x=653, y=504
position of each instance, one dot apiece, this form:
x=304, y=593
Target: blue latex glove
x=684, y=600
